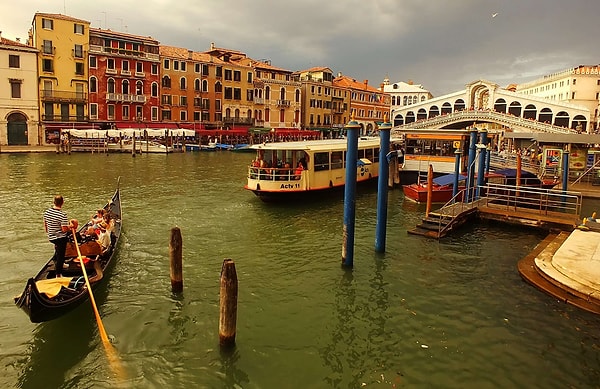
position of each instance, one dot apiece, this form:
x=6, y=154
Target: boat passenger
x=299, y=170
x=104, y=236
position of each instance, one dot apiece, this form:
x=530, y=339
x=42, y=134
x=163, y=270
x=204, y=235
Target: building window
x=228, y=93
x=183, y=66
x=125, y=87
x=166, y=64
x=237, y=75
x=93, y=85
x=110, y=111
x=78, y=51
x=197, y=68
x=79, y=68
x=154, y=113
x=196, y=116
x=154, y=68
x=182, y=83
x=228, y=75
x=205, y=70
x=139, y=88
x=249, y=77
x=110, y=86
x=110, y=63
x=197, y=85
x=175, y=65
x=125, y=112
x=48, y=24
x=47, y=47
x=166, y=82
x=93, y=111
x=166, y=114
x=154, y=90
x=237, y=93
x=78, y=28
x=125, y=66
x=13, y=61
x=47, y=65
x=93, y=62
x=139, y=67
x=219, y=71
x=15, y=88
x=183, y=116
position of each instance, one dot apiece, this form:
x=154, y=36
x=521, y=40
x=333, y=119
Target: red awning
x=153, y=125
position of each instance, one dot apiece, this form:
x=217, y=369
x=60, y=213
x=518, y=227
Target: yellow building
x=63, y=43
x=324, y=107
x=19, y=113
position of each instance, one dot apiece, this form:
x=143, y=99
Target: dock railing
x=527, y=200
x=531, y=200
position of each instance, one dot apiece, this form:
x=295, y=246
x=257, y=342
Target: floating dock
x=567, y=267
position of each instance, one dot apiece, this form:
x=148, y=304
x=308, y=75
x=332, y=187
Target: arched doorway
x=17, y=129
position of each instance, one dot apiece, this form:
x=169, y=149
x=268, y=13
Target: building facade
x=124, y=83
x=403, y=94
x=19, y=113
x=368, y=105
x=317, y=99
x=579, y=86
x=62, y=42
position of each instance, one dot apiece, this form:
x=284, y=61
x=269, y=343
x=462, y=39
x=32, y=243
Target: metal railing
x=273, y=174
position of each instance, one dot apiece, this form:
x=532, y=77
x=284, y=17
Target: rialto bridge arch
x=484, y=96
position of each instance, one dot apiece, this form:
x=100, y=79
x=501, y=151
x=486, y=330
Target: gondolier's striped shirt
x=55, y=219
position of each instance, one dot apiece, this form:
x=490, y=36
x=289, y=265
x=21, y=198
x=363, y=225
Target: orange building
x=368, y=104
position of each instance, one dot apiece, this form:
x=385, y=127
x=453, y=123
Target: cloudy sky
x=441, y=44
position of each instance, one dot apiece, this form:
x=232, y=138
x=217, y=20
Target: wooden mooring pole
x=228, y=304
x=175, y=253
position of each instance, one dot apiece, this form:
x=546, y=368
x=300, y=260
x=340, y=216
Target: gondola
x=46, y=297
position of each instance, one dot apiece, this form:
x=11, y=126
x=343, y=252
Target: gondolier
x=57, y=226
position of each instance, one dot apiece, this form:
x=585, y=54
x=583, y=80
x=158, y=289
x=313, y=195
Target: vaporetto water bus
x=286, y=170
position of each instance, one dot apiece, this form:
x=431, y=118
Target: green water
x=449, y=314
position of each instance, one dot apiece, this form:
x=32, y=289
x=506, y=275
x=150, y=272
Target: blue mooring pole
x=352, y=129
x=482, y=158
x=382, y=186
x=471, y=166
x=565, y=171
x=457, y=154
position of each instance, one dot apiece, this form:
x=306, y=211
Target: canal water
x=452, y=313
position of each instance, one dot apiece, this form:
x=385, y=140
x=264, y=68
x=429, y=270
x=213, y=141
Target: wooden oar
x=103, y=335
x=110, y=350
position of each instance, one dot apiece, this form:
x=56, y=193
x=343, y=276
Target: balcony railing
x=283, y=103
x=233, y=120
x=65, y=118
x=125, y=97
x=111, y=71
x=259, y=101
x=126, y=72
x=97, y=49
x=64, y=96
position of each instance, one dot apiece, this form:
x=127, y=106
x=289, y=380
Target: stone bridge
x=485, y=102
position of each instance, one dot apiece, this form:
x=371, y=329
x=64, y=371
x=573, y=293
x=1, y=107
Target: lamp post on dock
x=352, y=129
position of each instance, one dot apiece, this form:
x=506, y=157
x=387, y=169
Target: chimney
x=212, y=45
x=366, y=82
x=410, y=82
x=17, y=39
x=190, y=52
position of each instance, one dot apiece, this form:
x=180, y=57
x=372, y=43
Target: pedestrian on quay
x=57, y=226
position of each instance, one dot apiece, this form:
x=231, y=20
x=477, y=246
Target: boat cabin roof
x=317, y=145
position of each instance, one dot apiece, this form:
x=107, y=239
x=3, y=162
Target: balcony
x=56, y=96
x=234, y=120
x=64, y=118
x=259, y=101
x=111, y=71
x=127, y=98
x=283, y=103
x=140, y=74
x=126, y=72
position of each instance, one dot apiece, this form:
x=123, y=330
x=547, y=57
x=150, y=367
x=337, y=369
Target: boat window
x=369, y=154
x=361, y=153
x=321, y=161
x=337, y=159
x=430, y=147
x=376, y=155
